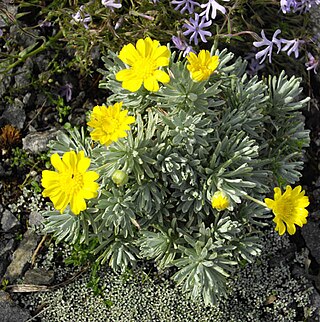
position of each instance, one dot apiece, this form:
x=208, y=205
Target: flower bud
x=220, y=201
x=120, y=177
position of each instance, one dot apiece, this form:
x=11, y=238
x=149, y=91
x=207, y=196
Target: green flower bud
x=120, y=177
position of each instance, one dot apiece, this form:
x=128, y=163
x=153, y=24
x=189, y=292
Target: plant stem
x=34, y=52
x=256, y=201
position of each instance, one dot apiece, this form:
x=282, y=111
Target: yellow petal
x=125, y=74
x=83, y=165
x=280, y=228
x=90, y=176
x=132, y=85
x=277, y=193
x=70, y=159
x=49, y=178
x=57, y=163
x=129, y=54
x=291, y=228
x=269, y=203
x=151, y=84
x=77, y=204
x=162, y=76
x=60, y=202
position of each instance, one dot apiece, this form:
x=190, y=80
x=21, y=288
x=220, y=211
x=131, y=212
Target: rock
x=38, y=142
x=15, y=114
x=311, y=235
x=22, y=256
x=35, y=219
x=39, y=276
x=6, y=246
x=315, y=301
x=8, y=221
x=10, y=312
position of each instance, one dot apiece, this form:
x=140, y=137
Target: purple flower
x=212, y=4
x=291, y=46
x=82, y=17
x=298, y=5
x=196, y=29
x=188, y=5
x=66, y=91
x=44, y=24
x=287, y=4
x=312, y=63
x=112, y=4
x=182, y=45
x=269, y=46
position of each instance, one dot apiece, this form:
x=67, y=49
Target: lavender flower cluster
x=289, y=46
x=201, y=16
x=197, y=29
x=298, y=5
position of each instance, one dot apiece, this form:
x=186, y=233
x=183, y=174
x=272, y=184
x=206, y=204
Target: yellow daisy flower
x=109, y=123
x=202, y=66
x=71, y=183
x=220, y=201
x=144, y=61
x=288, y=208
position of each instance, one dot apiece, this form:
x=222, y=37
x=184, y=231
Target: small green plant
x=63, y=110
x=4, y=284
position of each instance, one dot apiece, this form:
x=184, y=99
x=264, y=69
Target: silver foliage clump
x=231, y=133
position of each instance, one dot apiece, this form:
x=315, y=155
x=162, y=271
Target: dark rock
x=8, y=221
x=22, y=256
x=10, y=312
x=39, y=276
x=4, y=262
x=38, y=142
x=315, y=301
x=42, y=62
x=311, y=235
x=5, y=80
x=6, y=246
x=15, y=114
x=24, y=75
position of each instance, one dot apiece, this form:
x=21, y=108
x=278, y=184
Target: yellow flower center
x=111, y=125
x=71, y=183
x=284, y=208
x=144, y=68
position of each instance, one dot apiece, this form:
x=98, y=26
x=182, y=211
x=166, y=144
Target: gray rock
x=6, y=246
x=9, y=221
x=4, y=262
x=38, y=142
x=15, y=114
x=315, y=301
x=10, y=312
x=22, y=256
x=35, y=219
x=39, y=276
x=11, y=9
x=311, y=235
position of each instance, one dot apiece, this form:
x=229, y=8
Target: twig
x=23, y=288
x=39, y=313
x=33, y=258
